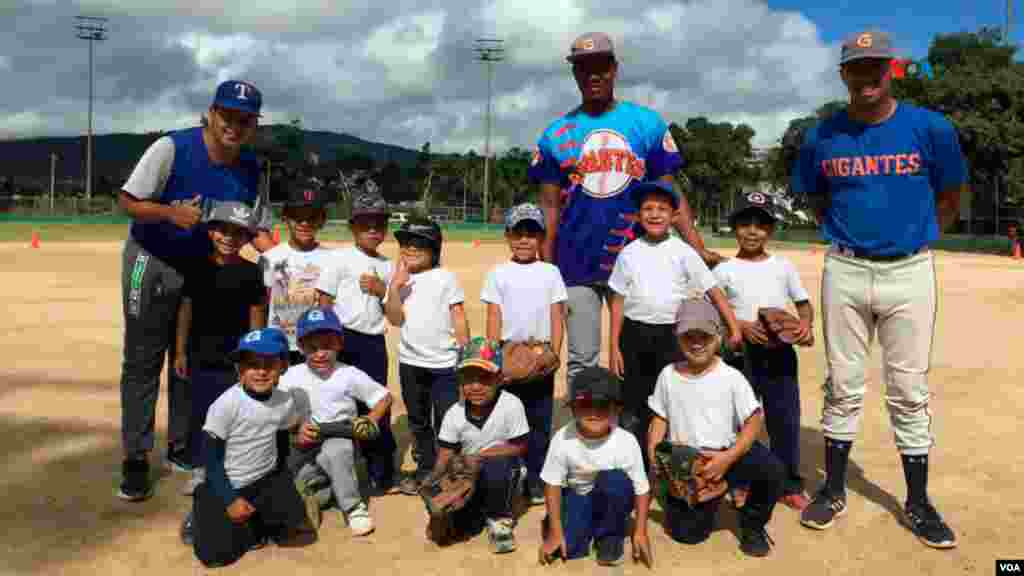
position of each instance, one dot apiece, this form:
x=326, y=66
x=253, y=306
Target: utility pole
x=1009, y=21
x=489, y=51
x=53, y=178
x=91, y=29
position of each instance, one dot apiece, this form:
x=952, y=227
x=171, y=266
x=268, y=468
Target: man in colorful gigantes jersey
x=586, y=163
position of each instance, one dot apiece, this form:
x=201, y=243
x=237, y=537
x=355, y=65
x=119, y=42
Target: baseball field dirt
x=60, y=438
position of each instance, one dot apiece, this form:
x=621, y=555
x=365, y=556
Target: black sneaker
x=187, y=530
x=926, y=523
x=610, y=550
x=823, y=510
x=135, y=485
x=535, y=492
x=178, y=460
x=756, y=542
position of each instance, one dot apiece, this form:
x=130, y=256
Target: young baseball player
x=525, y=300
x=753, y=280
x=355, y=284
x=489, y=426
x=223, y=298
x=326, y=392
x=709, y=405
x=248, y=495
x=652, y=275
x=291, y=269
x=426, y=302
x=594, y=478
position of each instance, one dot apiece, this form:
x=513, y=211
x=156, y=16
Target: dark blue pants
x=646, y=350
x=496, y=488
x=772, y=373
x=604, y=512
x=207, y=385
x=759, y=469
x=428, y=393
x=369, y=353
x=538, y=401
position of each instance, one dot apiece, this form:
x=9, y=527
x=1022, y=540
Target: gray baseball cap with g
x=591, y=43
x=872, y=43
x=698, y=314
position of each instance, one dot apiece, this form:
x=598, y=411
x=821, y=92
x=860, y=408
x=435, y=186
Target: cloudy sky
x=403, y=71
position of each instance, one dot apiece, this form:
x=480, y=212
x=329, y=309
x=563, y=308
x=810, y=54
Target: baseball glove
x=448, y=492
x=681, y=466
x=360, y=428
x=781, y=326
x=527, y=360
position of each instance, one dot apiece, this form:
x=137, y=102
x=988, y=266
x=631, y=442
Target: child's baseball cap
x=645, y=190
x=526, y=212
x=757, y=202
x=305, y=192
x=238, y=95
x=370, y=202
x=595, y=383
x=231, y=211
x=480, y=352
x=698, y=314
x=265, y=342
x=317, y=319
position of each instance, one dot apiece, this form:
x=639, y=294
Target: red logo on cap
x=308, y=195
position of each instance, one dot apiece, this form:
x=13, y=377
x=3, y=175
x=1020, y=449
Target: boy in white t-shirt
x=652, y=275
x=753, y=280
x=487, y=426
x=706, y=403
x=525, y=300
x=594, y=478
x=291, y=269
x=354, y=285
x=426, y=301
x=248, y=494
x=326, y=392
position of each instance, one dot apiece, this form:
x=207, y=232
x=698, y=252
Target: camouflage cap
x=871, y=43
x=526, y=212
x=369, y=201
x=480, y=352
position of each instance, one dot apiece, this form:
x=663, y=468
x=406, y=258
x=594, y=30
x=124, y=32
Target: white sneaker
x=359, y=520
x=499, y=532
x=197, y=478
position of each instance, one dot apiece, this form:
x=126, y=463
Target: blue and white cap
x=265, y=342
x=527, y=212
x=238, y=95
x=317, y=319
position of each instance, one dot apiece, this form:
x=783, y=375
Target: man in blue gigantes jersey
x=885, y=178
x=164, y=195
x=587, y=163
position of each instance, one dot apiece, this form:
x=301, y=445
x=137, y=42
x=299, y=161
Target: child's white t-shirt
x=750, y=286
x=706, y=411
x=507, y=421
x=525, y=293
x=292, y=276
x=357, y=310
x=655, y=278
x=428, y=336
x=249, y=429
x=574, y=461
x=332, y=399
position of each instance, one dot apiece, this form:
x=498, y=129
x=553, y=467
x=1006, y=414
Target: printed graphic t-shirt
x=291, y=275
x=596, y=161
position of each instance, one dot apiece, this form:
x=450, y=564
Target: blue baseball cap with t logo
x=238, y=95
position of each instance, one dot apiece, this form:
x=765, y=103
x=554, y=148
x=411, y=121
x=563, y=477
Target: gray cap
x=591, y=43
x=871, y=43
x=698, y=314
x=369, y=201
x=231, y=211
x=524, y=213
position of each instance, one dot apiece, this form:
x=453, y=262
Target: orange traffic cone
x=35, y=239
x=476, y=243
x=277, y=234
x=1016, y=250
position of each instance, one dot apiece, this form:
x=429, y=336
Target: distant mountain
x=115, y=155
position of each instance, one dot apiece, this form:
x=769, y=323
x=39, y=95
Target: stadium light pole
x=91, y=29
x=489, y=51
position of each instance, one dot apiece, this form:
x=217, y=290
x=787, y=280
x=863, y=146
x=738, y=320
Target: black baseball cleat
x=610, y=550
x=135, y=484
x=929, y=527
x=756, y=542
x=823, y=510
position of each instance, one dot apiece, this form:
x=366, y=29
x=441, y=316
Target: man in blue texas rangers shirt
x=586, y=163
x=885, y=178
x=164, y=197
